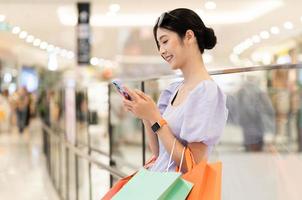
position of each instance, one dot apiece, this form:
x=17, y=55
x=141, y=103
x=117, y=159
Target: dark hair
x=182, y=19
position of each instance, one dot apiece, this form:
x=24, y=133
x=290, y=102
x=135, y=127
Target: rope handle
x=171, y=154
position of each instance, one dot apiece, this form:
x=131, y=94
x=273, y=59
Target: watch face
x=155, y=127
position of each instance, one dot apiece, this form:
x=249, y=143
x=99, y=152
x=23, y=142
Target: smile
x=169, y=58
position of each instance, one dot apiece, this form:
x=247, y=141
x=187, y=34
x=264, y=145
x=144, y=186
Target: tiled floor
x=23, y=173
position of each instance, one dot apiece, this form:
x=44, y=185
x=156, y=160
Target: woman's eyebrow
x=161, y=37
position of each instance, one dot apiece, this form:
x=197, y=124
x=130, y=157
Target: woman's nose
x=162, y=51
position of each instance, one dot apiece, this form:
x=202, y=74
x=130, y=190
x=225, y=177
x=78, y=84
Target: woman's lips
x=169, y=58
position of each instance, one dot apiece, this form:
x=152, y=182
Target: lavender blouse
x=201, y=117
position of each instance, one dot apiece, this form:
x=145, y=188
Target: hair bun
x=210, y=39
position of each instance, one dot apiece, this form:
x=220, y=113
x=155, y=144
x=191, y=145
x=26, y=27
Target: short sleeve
x=205, y=114
x=165, y=96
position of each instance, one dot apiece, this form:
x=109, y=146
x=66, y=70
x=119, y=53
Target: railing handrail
x=223, y=71
x=99, y=151
x=87, y=157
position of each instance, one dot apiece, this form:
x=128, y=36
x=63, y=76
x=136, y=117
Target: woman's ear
x=190, y=36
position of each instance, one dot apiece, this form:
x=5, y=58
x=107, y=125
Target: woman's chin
x=173, y=66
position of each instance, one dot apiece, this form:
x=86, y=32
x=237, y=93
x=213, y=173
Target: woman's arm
x=165, y=134
x=152, y=138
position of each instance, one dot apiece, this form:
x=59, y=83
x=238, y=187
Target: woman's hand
x=141, y=105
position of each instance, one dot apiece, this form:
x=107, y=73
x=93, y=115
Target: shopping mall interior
x=73, y=139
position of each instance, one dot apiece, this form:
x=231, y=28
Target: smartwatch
x=157, y=125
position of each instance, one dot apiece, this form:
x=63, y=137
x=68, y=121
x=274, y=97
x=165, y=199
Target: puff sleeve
x=205, y=115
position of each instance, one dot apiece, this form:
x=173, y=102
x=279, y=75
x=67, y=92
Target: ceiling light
x=23, y=34
x=256, y=39
x=16, y=30
x=264, y=35
x=43, y=45
x=94, y=61
x=210, y=5
x=37, y=42
x=114, y=8
x=238, y=49
x=7, y=78
x=50, y=48
x=2, y=18
x=248, y=43
x=30, y=39
x=275, y=30
x=288, y=25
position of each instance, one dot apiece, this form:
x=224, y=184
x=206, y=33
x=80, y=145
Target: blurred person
x=281, y=95
x=22, y=109
x=190, y=113
x=255, y=114
x=5, y=112
x=13, y=99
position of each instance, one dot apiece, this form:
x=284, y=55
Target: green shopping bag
x=149, y=185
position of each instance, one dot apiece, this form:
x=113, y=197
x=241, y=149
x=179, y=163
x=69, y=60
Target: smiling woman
x=191, y=112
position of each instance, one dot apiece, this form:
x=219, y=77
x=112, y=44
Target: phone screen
x=120, y=89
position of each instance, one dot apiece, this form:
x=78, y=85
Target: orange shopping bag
x=206, y=178
x=118, y=186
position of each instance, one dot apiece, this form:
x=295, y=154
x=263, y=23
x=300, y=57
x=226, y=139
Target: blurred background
x=64, y=133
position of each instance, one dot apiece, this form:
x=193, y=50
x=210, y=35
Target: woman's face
x=171, y=48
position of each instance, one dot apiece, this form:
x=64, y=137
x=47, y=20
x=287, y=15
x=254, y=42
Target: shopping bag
x=150, y=185
x=206, y=178
x=118, y=186
x=212, y=182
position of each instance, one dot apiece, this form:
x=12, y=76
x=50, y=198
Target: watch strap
x=157, y=125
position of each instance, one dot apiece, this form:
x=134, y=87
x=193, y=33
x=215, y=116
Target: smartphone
x=119, y=86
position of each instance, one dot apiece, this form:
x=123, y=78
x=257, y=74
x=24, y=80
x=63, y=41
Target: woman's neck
x=194, y=71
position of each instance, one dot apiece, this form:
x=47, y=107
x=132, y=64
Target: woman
x=192, y=111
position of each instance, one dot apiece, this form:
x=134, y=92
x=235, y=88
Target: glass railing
x=93, y=141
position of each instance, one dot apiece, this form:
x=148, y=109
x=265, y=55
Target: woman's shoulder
x=206, y=88
x=208, y=92
x=173, y=86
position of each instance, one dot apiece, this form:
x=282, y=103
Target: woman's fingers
x=127, y=105
x=141, y=94
x=132, y=94
x=127, y=102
